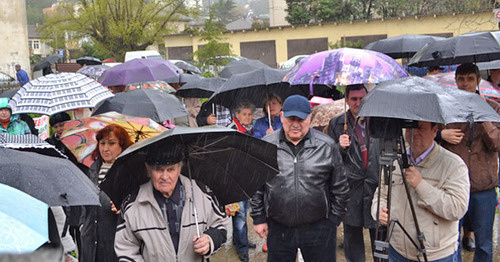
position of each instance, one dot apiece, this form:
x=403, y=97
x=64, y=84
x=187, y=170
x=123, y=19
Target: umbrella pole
x=345, y=116
x=192, y=192
x=269, y=115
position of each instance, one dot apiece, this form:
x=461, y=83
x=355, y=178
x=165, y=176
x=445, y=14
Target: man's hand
x=382, y=216
x=201, y=245
x=344, y=141
x=452, y=136
x=211, y=120
x=413, y=176
x=269, y=130
x=114, y=209
x=261, y=229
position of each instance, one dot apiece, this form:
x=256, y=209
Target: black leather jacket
x=310, y=186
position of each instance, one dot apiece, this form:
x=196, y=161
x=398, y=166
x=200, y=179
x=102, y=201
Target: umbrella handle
x=345, y=116
x=269, y=115
x=186, y=155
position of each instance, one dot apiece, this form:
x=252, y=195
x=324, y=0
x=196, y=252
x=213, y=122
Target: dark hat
x=58, y=118
x=296, y=105
x=164, y=154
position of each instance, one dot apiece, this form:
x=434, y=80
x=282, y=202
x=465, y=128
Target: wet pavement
x=228, y=253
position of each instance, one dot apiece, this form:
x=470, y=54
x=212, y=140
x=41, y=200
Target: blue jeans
x=394, y=256
x=317, y=241
x=481, y=213
x=240, y=236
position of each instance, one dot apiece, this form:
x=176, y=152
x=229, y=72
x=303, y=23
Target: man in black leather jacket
x=360, y=153
x=303, y=205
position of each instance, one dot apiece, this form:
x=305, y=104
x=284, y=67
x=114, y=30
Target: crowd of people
x=325, y=179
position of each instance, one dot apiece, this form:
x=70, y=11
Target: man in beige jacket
x=439, y=187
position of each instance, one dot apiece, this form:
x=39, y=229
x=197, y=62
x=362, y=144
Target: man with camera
x=360, y=152
x=439, y=188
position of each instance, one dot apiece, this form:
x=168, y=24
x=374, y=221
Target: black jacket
x=362, y=182
x=99, y=226
x=310, y=186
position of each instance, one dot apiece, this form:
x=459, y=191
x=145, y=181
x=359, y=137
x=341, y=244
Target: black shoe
x=243, y=257
x=468, y=244
x=251, y=244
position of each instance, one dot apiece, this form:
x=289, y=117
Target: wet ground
x=228, y=253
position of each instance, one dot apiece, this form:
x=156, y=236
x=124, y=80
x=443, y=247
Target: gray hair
x=244, y=104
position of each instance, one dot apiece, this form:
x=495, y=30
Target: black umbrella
x=31, y=143
x=232, y=164
x=466, y=48
x=420, y=99
x=241, y=66
x=182, y=78
x=9, y=93
x=201, y=88
x=53, y=180
x=88, y=60
x=403, y=46
x=190, y=68
x=47, y=62
x=154, y=104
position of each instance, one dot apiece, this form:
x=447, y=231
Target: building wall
x=277, y=13
x=14, y=36
x=333, y=32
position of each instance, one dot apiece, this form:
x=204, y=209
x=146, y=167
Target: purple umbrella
x=139, y=70
x=345, y=66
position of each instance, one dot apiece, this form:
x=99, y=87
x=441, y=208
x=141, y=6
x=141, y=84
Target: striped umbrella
x=56, y=93
x=30, y=143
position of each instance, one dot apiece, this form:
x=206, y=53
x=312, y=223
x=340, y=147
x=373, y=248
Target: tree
x=226, y=11
x=298, y=12
x=340, y=44
x=117, y=26
x=213, y=55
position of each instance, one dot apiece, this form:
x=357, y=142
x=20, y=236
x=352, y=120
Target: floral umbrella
x=345, y=66
x=486, y=88
x=158, y=84
x=79, y=135
x=93, y=71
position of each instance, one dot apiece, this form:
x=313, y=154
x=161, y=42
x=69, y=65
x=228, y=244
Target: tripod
x=393, y=149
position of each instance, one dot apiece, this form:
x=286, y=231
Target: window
x=36, y=44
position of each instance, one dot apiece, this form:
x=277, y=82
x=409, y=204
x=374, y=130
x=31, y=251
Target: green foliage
x=340, y=44
x=34, y=59
x=297, y=13
x=211, y=56
x=34, y=10
x=117, y=26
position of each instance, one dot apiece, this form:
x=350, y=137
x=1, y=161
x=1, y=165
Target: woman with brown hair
x=99, y=223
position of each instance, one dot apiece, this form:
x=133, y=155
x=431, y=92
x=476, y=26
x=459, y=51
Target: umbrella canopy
x=345, y=66
x=139, y=70
x=232, y=164
x=109, y=60
x=190, y=68
x=241, y=66
x=156, y=85
x=9, y=93
x=24, y=221
x=486, y=88
x=182, y=78
x=402, y=46
x=420, y=99
x=159, y=106
x=466, y=48
x=322, y=114
x=30, y=143
x=93, y=71
x=252, y=86
x=53, y=180
x=79, y=135
x=201, y=88
x=88, y=60
x=489, y=65
x=46, y=62
x=56, y=93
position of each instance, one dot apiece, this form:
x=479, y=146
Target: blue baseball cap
x=296, y=105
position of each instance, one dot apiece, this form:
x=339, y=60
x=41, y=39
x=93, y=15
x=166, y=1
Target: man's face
x=5, y=114
x=59, y=128
x=245, y=116
x=17, y=68
x=495, y=76
x=295, y=128
x=165, y=178
x=423, y=137
x=468, y=82
x=354, y=100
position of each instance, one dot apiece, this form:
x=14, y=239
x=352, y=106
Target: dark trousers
x=354, y=243
x=317, y=241
x=482, y=215
x=240, y=235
